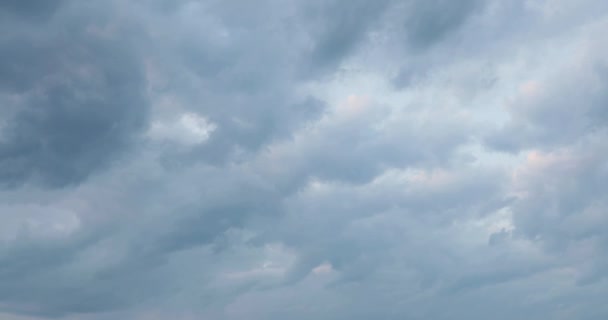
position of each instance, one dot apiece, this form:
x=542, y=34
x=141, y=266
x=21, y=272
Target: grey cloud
x=553, y=120
x=123, y=258
x=566, y=216
x=31, y=10
x=338, y=26
x=340, y=225
x=430, y=21
x=350, y=168
x=80, y=100
x=241, y=77
x=562, y=107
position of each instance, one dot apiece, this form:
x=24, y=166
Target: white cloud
x=187, y=129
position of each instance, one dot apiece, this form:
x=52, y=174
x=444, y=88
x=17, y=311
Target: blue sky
x=292, y=159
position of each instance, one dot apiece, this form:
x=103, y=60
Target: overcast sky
x=304, y=159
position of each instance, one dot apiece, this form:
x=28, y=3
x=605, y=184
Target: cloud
x=339, y=26
x=30, y=10
x=303, y=159
x=75, y=101
x=428, y=22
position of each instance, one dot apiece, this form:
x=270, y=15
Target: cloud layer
x=321, y=159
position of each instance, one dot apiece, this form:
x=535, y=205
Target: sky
x=303, y=159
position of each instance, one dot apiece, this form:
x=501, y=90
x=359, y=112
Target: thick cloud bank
x=303, y=159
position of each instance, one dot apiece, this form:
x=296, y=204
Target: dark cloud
x=31, y=10
x=339, y=26
x=80, y=100
x=428, y=22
